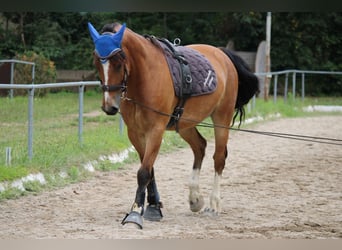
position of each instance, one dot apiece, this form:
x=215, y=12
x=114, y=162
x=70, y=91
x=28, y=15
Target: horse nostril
x=110, y=110
x=113, y=110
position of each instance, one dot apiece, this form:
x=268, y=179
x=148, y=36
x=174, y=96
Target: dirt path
x=272, y=188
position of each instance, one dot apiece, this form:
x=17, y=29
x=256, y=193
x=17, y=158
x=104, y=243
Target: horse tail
x=248, y=84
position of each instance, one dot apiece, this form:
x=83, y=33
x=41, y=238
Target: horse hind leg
x=198, y=145
x=220, y=155
x=215, y=196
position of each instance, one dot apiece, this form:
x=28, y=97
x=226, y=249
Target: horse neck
x=138, y=50
x=141, y=57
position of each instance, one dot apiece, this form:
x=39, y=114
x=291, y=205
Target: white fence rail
x=294, y=72
x=13, y=62
x=32, y=87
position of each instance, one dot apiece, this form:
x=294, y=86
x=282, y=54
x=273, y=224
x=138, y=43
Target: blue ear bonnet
x=108, y=43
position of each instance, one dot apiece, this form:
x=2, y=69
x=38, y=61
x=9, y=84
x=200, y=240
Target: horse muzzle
x=111, y=110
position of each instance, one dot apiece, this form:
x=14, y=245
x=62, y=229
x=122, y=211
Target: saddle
x=191, y=72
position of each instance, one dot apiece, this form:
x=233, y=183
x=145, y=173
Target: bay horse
x=136, y=81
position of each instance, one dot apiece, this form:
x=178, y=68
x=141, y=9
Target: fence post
x=8, y=156
x=275, y=88
x=11, y=80
x=253, y=102
x=121, y=125
x=294, y=85
x=30, y=122
x=33, y=72
x=80, y=114
x=286, y=85
x=303, y=86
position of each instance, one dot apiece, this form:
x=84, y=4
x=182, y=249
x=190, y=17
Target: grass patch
x=107, y=166
x=73, y=173
x=33, y=186
x=13, y=172
x=11, y=193
x=56, y=147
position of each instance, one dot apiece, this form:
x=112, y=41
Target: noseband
x=122, y=86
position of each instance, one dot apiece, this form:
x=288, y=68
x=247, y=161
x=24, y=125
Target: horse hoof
x=133, y=217
x=197, y=205
x=153, y=212
x=210, y=212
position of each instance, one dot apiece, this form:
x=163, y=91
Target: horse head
x=109, y=60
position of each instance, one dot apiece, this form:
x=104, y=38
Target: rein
x=322, y=140
x=122, y=86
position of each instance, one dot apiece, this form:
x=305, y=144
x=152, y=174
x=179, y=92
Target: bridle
x=121, y=86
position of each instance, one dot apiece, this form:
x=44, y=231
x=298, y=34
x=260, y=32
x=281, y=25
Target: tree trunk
x=21, y=28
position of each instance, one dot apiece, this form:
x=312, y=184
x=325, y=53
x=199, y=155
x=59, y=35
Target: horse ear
x=93, y=32
x=117, y=37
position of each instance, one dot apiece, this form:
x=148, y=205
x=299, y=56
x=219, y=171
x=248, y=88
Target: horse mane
x=154, y=40
x=248, y=84
x=109, y=27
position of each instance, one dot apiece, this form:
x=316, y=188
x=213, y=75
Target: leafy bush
x=45, y=71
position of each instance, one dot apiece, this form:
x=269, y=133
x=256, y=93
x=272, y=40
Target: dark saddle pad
x=202, y=73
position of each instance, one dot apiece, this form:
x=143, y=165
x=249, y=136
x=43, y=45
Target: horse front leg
x=145, y=179
x=137, y=209
x=153, y=209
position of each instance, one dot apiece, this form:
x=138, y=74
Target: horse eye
x=113, y=59
x=118, y=66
